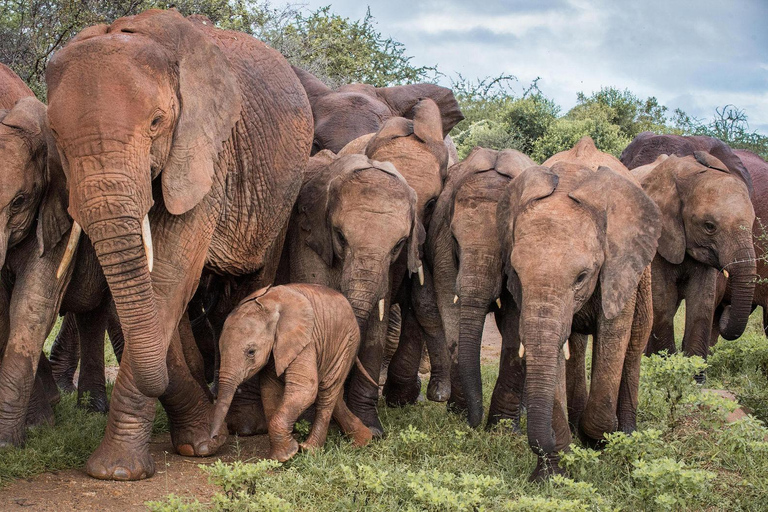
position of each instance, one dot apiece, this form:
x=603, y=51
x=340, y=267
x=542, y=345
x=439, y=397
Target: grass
x=683, y=457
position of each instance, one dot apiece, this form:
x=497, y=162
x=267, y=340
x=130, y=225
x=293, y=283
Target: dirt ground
x=72, y=489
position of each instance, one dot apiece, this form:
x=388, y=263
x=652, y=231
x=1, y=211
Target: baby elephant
x=305, y=337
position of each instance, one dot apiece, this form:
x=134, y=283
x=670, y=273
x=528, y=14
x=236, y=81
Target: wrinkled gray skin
x=465, y=256
x=577, y=245
x=305, y=338
x=707, y=219
x=353, y=219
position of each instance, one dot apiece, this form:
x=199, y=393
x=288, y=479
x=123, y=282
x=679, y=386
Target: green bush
x=670, y=484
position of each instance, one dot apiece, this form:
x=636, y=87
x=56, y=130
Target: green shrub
x=670, y=484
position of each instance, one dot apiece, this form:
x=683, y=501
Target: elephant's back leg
x=65, y=353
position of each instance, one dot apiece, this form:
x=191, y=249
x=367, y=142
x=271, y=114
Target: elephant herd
x=179, y=171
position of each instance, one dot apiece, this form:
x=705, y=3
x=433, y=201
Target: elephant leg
x=549, y=464
x=362, y=396
x=33, y=306
x=609, y=349
x=65, y=354
x=192, y=355
x=246, y=415
x=508, y=391
x=91, y=326
x=351, y=424
x=301, y=388
x=115, y=333
x=630, y=375
x=324, y=405
x=666, y=300
x=45, y=372
x=428, y=316
x=39, y=410
x=699, y=293
x=271, y=392
x=403, y=384
x=576, y=378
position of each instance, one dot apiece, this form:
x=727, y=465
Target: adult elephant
x=416, y=149
x=644, y=150
x=184, y=147
x=577, y=247
x=351, y=111
x=707, y=220
x=464, y=256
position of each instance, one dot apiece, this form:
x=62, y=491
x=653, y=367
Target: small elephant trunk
x=471, y=323
x=227, y=389
x=741, y=272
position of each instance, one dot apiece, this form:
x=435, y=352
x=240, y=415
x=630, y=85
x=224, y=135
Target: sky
x=695, y=55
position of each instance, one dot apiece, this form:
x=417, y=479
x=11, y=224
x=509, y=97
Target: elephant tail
x=364, y=372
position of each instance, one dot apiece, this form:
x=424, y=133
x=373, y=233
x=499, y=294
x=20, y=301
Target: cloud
x=694, y=55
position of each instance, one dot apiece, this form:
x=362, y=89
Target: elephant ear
x=707, y=160
x=426, y=121
x=295, y=323
x=529, y=186
x=512, y=163
x=210, y=104
x=314, y=88
x=402, y=98
x=632, y=229
x=30, y=117
x=661, y=185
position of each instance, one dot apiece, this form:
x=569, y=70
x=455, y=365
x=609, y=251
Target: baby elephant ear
x=661, y=185
x=402, y=98
x=295, y=323
x=426, y=121
x=210, y=104
x=710, y=161
x=632, y=229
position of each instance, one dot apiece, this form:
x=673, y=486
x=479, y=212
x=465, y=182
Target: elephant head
x=360, y=215
x=567, y=231
x=354, y=110
x=274, y=321
x=464, y=236
x=33, y=187
x=150, y=96
x=707, y=214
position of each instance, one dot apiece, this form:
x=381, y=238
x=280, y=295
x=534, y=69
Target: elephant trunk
x=471, y=322
x=364, y=283
x=741, y=270
x=542, y=338
x=111, y=207
x=227, y=388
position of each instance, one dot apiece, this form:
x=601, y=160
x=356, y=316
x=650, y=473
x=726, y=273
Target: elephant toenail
x=186, y=450
x=122, y=474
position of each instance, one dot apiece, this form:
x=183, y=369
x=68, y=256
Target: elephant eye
x=710, y=227
x=582, y=277
x=18, y=201
x=398, y=246
x=342, y=241
x=251, y=352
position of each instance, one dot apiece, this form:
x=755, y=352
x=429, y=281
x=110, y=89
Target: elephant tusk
x=381, y=310
x=421, y=275
x=725, y=273
x=566, y=350
x=498, y=302
x=146, y=236
x=455, y=299
x=521, y=351
x=69, y=252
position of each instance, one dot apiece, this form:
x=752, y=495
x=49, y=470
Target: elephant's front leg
x=363, y=396
x=403, y=384
x=508, y=392
x=32, y=312
x=608, y=353
x=699, y=294
x=428, y=315
x=91, y=327
x=576, y=377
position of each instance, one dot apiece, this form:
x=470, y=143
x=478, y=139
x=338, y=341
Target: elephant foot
x=283, y=451
x=546, y=466
x=399, y=393
x=456, y=404
x=93, y=402
x=309, y=446
x=439, y=389
x=701, y=378
x=66, y=384
x=370, y=418
x=120, y=461
x=12, y=438
x=246, y=419
x=193, y=438
x=361, y=437
x=40, y=414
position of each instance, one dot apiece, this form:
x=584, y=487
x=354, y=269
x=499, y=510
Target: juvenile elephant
x=644, y=150
x=464, y=256
x=306, y=338
x=353, y=220
x=707, y=220
x=184, y=147
x=354, y=110
x=577, y=246
x=416, y=149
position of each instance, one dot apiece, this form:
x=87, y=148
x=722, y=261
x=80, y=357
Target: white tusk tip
x=381, y=310
x=421, y=275
x=498, y=302
x=455, y=299
x=521, y=351
x=566, y=350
